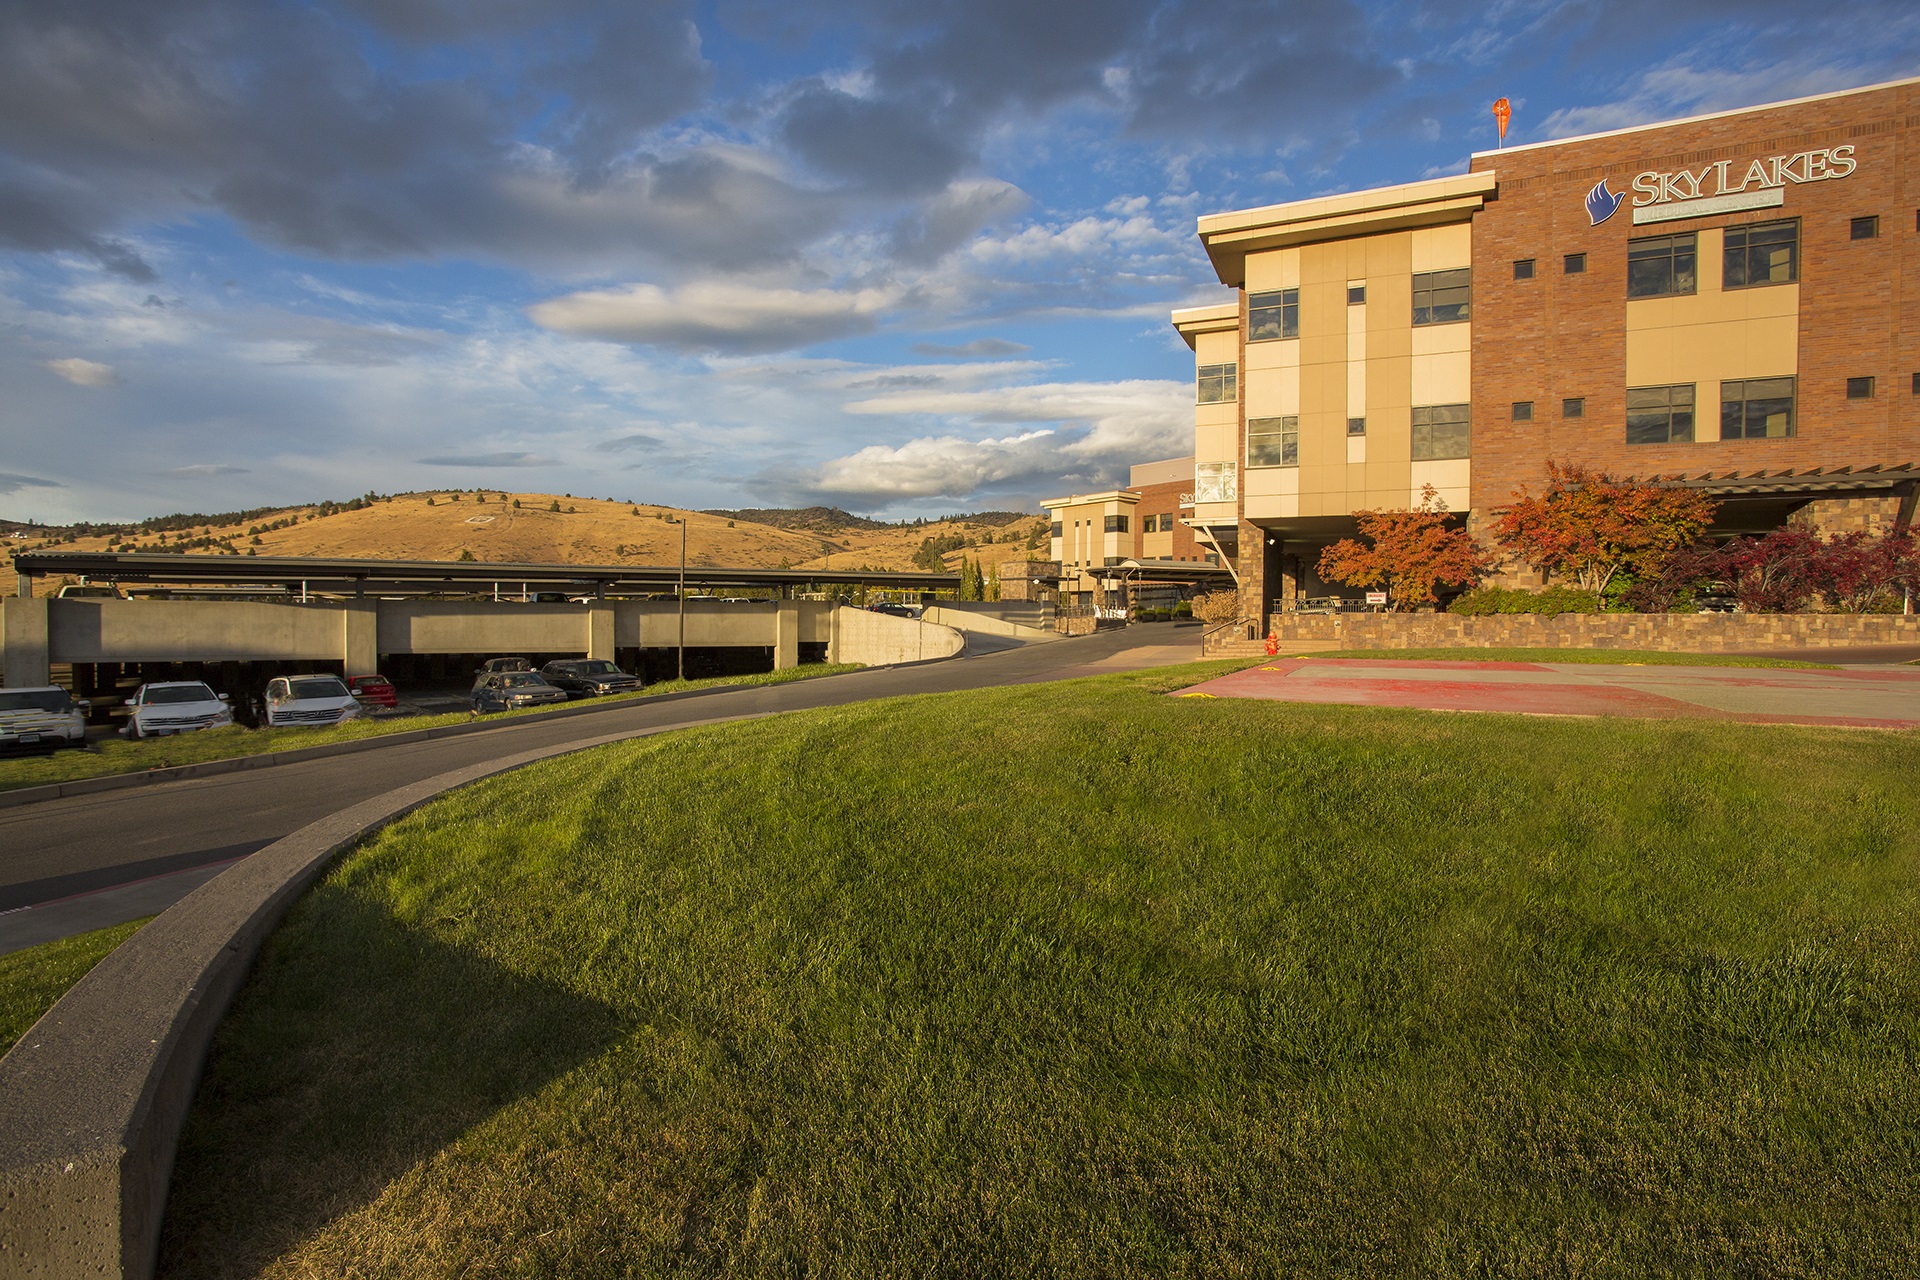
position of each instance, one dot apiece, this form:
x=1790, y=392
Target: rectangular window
x=1441, y=431
x=1356, y=426
x=1523, y=269
x=1866, y=228
x=1859, y=388
x=1150, y=525
x=1916, y=384
x=1523, y=411
x=1273, y=315
x=1273, y=442
x=1756, y=409
x=1058, y=529
x=1763, y=253
x=1573, y=407
x=1116, y=524
x=1356, y=295
x=1442, y=297
x=1576, y=264
x=1216, y=482
x=1660, y=415
x=1219, y=383
x=1660, y=266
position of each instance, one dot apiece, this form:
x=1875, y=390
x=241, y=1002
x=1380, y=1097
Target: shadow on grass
x=350, y=1057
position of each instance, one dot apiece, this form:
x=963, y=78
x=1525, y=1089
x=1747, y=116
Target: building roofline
x=1105, y=495
x=1497, y=152
x=1229, y=237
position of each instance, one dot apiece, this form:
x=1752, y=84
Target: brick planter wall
x=1679, y=632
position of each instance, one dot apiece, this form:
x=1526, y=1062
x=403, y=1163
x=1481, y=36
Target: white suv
x=42, y=716
x=309, y=700
x=175, y=706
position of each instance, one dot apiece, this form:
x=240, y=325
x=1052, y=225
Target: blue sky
x=904, y=258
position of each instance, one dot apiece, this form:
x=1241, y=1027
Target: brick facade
x=1558, y=336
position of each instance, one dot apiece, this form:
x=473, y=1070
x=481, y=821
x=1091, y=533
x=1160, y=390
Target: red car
x=377, y=690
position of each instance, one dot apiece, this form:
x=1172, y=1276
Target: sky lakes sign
x=1713, y=188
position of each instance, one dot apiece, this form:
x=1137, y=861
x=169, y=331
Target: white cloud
x=84, y=373
x=716, y=315
x=1093, y=431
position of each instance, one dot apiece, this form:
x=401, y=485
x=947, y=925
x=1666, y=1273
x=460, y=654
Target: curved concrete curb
x=268, y=759
x=93, y=1098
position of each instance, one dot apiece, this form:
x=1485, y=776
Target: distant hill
x=818, y=519
x=499, y=526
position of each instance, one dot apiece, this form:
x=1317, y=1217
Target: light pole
x=681, y=595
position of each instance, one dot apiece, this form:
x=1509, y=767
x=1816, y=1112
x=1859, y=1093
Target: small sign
x=1376, y=597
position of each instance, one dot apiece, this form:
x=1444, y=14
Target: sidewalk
x=1866, y=697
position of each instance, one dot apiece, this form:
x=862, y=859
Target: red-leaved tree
x=1588, y=526
x=1856, y=571
x=1409, y=553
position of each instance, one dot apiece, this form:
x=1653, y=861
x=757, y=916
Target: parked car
x=90, y=591
x=43, y=716
x=495, y=666
x=587, y=677
x=308, y=700
x=511, y=690
x=891, y=609
x=373, y=690
x=175, y=706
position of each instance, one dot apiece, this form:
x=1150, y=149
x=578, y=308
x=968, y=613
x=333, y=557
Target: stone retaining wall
x=1680, y=632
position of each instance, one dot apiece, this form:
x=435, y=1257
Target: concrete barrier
x=93, y=1098
x=882, y=640
x=986, y=624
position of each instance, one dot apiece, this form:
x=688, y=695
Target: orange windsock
x=1502, y=112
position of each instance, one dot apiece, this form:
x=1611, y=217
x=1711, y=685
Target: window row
x=1439, y=297
x=1761, y=253
x=1750, y=409
x=1158, y=524
x=1440, y=432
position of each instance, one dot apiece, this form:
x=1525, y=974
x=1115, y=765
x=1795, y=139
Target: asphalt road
x=160, y=836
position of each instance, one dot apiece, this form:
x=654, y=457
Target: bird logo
x=1601, y=203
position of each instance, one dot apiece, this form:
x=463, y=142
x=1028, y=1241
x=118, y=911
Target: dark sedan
x=588, y=677
x=512, y=690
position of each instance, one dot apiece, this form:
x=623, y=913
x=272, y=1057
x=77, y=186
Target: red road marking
x=1295, y=681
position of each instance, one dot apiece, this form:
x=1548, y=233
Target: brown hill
x=504, y=527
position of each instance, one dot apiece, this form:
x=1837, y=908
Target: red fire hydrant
x=1273, y=646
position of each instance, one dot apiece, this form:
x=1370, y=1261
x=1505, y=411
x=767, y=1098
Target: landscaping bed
x=1076, y=979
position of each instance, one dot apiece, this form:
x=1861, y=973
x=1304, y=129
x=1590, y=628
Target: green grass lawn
x=1078, y=980
x=31, y=980
x=120, y=755
x=1629, y=657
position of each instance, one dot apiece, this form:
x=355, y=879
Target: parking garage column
x=360, y=637
x=600, y=630
x=786, y=634
x=24, y=650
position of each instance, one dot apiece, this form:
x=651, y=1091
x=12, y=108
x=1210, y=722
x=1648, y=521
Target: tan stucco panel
x=1442, y=248
x=1275, y=269
x=1272, y=393
x=1217, y=348
x=1453, y=478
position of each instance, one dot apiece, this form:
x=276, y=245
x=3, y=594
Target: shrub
x=1216, y=608
x=1183, y=610
x=1550, y=602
